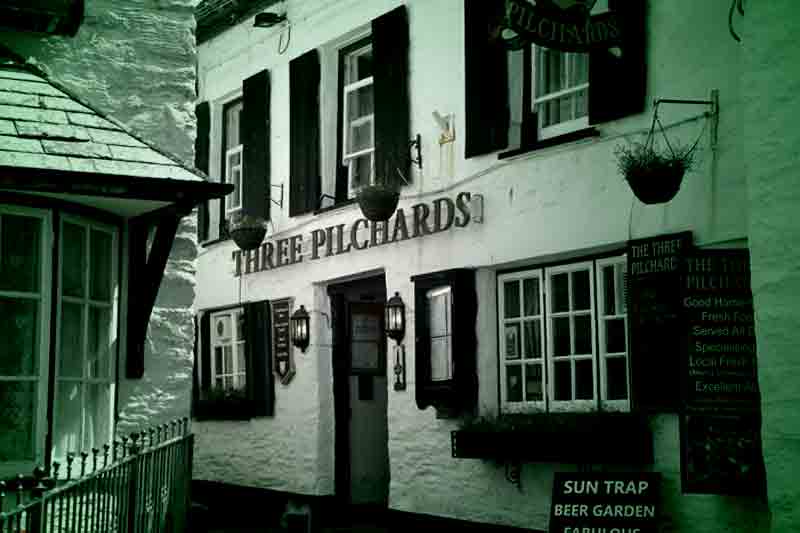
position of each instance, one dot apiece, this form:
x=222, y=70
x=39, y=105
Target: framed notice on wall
x=721, y=424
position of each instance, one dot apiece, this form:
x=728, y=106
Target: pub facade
x=560, y=314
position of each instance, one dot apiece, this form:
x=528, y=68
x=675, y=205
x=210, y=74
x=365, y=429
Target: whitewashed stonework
x=549, y=202
x=134, y=61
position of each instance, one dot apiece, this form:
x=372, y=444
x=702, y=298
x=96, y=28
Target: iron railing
x=137, y=484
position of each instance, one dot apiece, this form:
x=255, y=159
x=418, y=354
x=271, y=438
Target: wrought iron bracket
x=713, y=102
x=279, y=203
x=416, y=142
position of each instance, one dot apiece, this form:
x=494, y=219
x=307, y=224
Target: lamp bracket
x=416, y=142
x=279, y=203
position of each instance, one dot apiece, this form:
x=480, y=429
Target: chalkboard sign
x=607, y=501
x=655, y=272
x=721, y=425
x=282, y=342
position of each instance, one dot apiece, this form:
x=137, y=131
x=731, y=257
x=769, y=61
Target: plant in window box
x=247, y=231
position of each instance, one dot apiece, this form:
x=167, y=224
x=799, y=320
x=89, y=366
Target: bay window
x=563, y=338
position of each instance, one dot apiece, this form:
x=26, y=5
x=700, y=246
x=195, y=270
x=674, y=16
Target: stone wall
x=135, y=60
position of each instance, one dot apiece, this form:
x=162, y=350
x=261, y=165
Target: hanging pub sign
x=565, y=25
x=283, y=363
x=721, y=424
x=655, y=316
x=607, y=502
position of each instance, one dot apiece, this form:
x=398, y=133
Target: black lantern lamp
x=395, y=318
x=396, y=329
x=300, y=327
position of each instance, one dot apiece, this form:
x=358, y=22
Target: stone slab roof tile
x=26, y=160
x=32, y=114
x=19, y=144
x=64, y=104
x=7, y=127
x=18, y=75
x=28, y=100
x=83, y=119
x=145, y=155
x=116, y=138
x=52, y=131
x=71, y=148
x=29, y=87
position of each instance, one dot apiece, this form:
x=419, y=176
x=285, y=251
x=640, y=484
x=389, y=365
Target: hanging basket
x=378, y=202
x=247, y=231
x=657, y=182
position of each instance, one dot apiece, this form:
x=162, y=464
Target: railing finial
x=70, y=460
x=84, y=455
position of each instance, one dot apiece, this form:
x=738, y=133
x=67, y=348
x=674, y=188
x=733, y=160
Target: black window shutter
x=617, y=83
x=255, y=137
x=305, y=184
x=486, y=73
x=260, y=380
x=201, y=155
x=392, y=127
x=205, y=353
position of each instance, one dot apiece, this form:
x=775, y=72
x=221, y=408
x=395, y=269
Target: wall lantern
x=395, y=318
x=396, y=329
x=300, y=327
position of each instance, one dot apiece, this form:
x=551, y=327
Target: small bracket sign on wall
x=283, y=361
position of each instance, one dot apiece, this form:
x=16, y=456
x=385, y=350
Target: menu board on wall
x=282, y=343
x=655, y=316
x=720, y=427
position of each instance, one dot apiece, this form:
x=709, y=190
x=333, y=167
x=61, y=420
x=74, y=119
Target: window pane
x=19, y=349
x=241, y=382
x=562, y=381
x=73, y=257
x=561, y=336
x=19, y=260
x=617, y=378
x=240, y=326
x=533, y=339
x=100, y=272
x=583, y=335
x=359, y=119
x=533, y=383
x=240, y=361
x=559, y=285
x=531, y=293
x=360, y=171
x=232, y=119
x=441, y=369
x=511, y=299
x=581, y=297
x=615, y=335
x=358, y=65
x=99, y=342
x=218, y=368
x=98, y=416
x=17, y=415
x=609, y=295
x=223, y=327
x=71, y=352
x=68, y=418
x=439, y=312
x=227, y=363
x=512, y=341
x=584, y=377
x=514, y=383
x=228, y=382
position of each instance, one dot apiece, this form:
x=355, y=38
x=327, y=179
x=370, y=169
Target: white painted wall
x=549, y=202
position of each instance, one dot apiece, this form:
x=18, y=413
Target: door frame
x=375, y=287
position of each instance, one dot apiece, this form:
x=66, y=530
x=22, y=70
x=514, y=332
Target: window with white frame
x=560, y=96
x=357, y=112
x=87, y=335
x=441, y=332
x=563, y=338
x=232, y=154
x=228, y=367
x=25, y=308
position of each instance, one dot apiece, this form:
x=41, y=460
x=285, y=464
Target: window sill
x=206, y=244
x=558, y=438
x=566, y=138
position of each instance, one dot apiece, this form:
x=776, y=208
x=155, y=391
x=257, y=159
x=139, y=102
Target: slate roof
x=44, y=126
